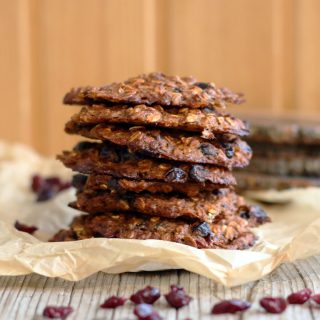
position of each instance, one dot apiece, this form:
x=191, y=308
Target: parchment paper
x=293, y=234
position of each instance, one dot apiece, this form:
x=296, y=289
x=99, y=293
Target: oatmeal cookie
x=226, y=151
x=105, y=158
x=207, y=121
x=156, y=88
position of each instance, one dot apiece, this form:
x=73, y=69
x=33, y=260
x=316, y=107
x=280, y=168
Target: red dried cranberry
x=230, y=306
x=23, y=227
x=299, y=297
x=57, y=312
x=36, y=183
x=316, y=298
x=146, y=312
x=147, y=295
x=177, y=298
x=113, y=302
x=46, y=188
x=273, y=305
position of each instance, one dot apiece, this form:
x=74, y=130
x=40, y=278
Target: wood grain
x=267, y=49
x=25, y=297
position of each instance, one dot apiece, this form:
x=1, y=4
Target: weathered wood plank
x=26, y=297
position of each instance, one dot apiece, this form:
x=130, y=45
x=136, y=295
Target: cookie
x=206, y=121
x=156, y=88
x=286, y=165
x=225, y=152
x=107, y=182
x=203, y=207
x=232, y=232
x=256, y=181
x=104, y=158
x=285, y=131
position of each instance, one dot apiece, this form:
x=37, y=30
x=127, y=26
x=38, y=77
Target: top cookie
x=156, y=88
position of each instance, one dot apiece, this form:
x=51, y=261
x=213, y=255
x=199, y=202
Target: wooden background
x=268, y=49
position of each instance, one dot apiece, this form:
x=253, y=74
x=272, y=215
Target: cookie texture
x=205, y=121
x=104, y=158
x=121, y=185
x=156, y=88
x=227, y=232
x=226, y=152
x=260, y=181
x=203, y=207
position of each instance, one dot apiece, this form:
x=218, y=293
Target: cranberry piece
x=273, y=305
x=36, y=183
x=299, y=297
x=46, y=193
x=230, y=306
x=25, y=228
x=203, y=85
x=203, y=229
x=177, y=297
x=57, y=312
x=146, y=312
x=316, y=298
x=147, y=295
x=113, y=302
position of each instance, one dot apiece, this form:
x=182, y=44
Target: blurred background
x=269, y=50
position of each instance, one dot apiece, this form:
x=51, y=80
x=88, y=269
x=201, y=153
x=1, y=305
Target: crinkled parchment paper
x=294, y=233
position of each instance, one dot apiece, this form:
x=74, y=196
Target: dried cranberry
x=208, y=149
x=36, y=183
x=57, y=312
x=299, y=297
x=177, y=298
x=198, y=173
x=203, y=229
x=203, y=85
x=316, y=298
x=146, y=312
x=113, y=302
x=230, y=306
x=147, y=295
x=46, y=193
x=78, y=181
x=23, y=227
x=256, y=213
x=273, y=305
x=175, y=175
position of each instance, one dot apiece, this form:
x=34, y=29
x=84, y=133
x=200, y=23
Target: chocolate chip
x=175, y=175
x=203, y=85
x=203, y=229
x=83, y=145
x=78, y=181
x=198, y=173
x=208, y=149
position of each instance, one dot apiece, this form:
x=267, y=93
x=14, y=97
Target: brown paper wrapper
x=293, y=234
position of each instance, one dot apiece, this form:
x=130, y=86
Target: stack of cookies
x=161, y=164
x=286, y=155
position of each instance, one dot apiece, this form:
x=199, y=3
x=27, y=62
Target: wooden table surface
x=25, y=297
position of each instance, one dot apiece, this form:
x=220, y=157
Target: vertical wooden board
x=9, y=66
x=81, y=42
x=307, y=48
x=229, y=42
